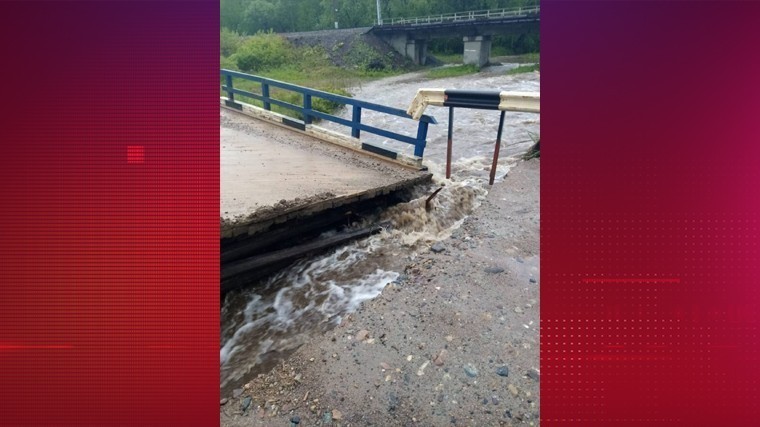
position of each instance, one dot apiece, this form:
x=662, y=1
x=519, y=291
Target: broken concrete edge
x=257, y=224
x=321, y=134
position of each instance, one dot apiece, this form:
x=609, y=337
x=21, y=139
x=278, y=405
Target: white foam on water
x=310, y=295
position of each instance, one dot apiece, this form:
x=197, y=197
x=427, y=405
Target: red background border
x=109, y=259
x=649, y=209
x=109, y=255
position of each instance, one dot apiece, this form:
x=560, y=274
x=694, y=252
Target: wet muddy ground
x=453, y=340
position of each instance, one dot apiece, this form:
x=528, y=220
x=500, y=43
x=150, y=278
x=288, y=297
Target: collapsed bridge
x=285, y=181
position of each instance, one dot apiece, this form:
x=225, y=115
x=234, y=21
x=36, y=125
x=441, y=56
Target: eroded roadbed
x=452, y=342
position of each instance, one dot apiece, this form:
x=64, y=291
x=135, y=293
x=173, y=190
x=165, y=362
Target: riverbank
x=453, y=341
x=330, y=61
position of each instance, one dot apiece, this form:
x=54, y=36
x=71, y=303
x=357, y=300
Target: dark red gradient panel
x=109, y=181
x=650, y=209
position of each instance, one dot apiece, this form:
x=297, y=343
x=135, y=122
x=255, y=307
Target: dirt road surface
x=454, y=342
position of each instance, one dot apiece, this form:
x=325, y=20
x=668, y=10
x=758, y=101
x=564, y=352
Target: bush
x=262, y=51
x=229, y=42
x=327, y=106
x=317, y=104
x=363, y=56
x=310, y=59
x=227, y=63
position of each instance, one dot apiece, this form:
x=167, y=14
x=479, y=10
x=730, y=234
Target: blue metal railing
x=309, y=113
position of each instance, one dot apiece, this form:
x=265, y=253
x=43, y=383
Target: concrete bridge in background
x=409, y=36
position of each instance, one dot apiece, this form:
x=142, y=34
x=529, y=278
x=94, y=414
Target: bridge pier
x=420, y=51
x=414, y=49
x=477, y=50
x=409, y=36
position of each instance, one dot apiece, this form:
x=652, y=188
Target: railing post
x=306, y=108
x=265, y=94
x=356, y=118
x=230, y=93
x=230, y=102
x=449, y=142
x=495, y=163
x=419, y=147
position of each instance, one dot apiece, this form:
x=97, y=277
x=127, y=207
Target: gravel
x=438, y=248
x=502, y=371
x=471, y=371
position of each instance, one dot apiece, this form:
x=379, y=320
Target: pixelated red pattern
x=108, y=271
x=649, y=210
x=135, y=154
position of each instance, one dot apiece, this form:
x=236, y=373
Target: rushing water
x=262, y=324
x=474, y=130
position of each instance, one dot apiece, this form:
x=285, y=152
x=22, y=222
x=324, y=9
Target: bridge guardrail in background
x=462, y=16
x=308, y=113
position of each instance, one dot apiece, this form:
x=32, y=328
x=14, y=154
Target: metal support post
x=448, y=148
x=496, y=149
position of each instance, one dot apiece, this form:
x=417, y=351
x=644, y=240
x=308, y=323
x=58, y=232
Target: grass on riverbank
x=456, y=58
x=454, y=71
x=524, y=69
x=448, y=58
x=321, y=78
x=526, y=58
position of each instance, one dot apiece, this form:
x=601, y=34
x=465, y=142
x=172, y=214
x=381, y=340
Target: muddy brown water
x=474, y=130
x=268, y=320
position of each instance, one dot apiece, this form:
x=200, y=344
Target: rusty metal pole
x=496, y=149
x=448, y=148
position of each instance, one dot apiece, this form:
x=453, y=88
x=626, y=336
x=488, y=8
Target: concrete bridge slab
x=270, y=175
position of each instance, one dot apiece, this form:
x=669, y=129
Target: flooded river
x=474, y=130
x=265, y=322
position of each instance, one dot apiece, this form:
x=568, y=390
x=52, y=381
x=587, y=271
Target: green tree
x=251, y=16
x=350, y=14
x=261, y=15
x=231, y=13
